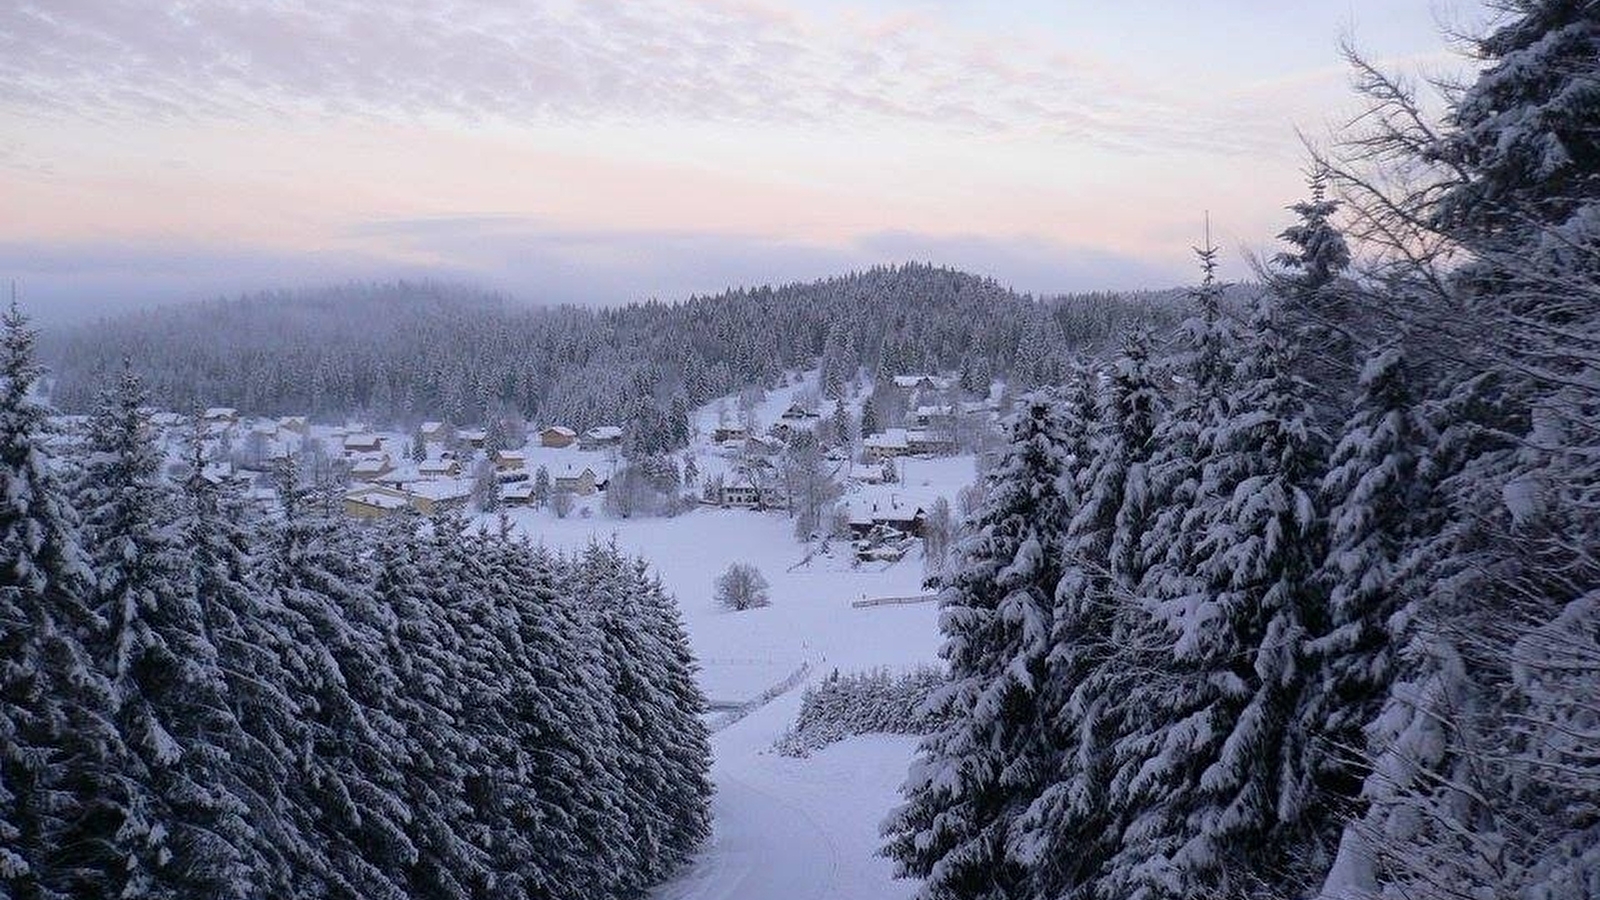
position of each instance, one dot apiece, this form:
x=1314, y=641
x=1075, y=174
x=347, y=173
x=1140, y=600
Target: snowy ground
x=786, y=829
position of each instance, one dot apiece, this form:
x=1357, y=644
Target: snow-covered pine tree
x=426, y=657
x=187, y=830
x=974, y=777
x=1069, y=831
x=1317, y=306
x=352, y=804
x=58, y=744
x=252, y=640
x=1377, y=498
x=1216, y=802
x=686, y=747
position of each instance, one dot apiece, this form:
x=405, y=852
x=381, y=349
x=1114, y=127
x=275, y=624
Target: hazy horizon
x=605, y=152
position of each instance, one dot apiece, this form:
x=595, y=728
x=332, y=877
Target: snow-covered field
x=786, y=828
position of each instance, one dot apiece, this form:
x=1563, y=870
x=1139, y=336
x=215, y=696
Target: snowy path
x=764, y=847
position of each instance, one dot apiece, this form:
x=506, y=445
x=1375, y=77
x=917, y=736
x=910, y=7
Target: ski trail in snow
x=762, y=848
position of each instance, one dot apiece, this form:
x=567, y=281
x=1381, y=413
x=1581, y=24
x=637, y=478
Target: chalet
x=474, y=437
x=435, y=432
x=371, y=468
x=572, y=479
x=294, y=425
x=374, y=502
x=866, y=473
x=724, y=433
x=798, y=413
x=557, y=436
x=886, y=444
x=221, y=415
x=362, y=442
x=432, y=497
x=899, y=516
x=600, y=437
x=510, y=460
x=439, y=468
x=937, y=443
x=937, y=416
x=517, y=494
x=744, y=494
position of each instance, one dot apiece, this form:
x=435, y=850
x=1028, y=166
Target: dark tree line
x=404, y=353
x=1308, y=603
x=198, y=700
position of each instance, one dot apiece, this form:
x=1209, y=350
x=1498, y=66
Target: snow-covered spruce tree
x=351, y=803
x=187, y=830
x=1067, y=832
x=426, y=655
x=251, y=634
x=686, y=747
x=1317, y=307
x=58, y=745
x=1377, y=497
x=975, y=776
x=1217, y=803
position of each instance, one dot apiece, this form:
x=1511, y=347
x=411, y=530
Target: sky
x=604, y=151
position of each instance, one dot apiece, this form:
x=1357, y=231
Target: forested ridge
x=1307, y=603
x=401, y=353
x=199, y=700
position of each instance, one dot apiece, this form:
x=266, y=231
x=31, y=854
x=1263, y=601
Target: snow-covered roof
x=562, y=430
x=936, y=410
x=443, y=489
x=570, y=471
x=437, y=466
x=510, y=454
x=604, y=432
x=382, y=498
x=431, y=427
x=370, y=466
x=362, y=440
x=472, y=434
x=221, y=412
x=517, y=490
x=889, y=438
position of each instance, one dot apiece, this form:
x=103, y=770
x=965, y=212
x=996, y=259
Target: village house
x=362, y=442
x=221, y=416
x=473, y=437
x=433, y=497
x=434, y=432
x=439, y=468
x=600, y=437
x=557, y=436
x=936, y=443
x=741, y=493
x=901, y=517
x=510, y=460
x=294, y=425
x=936, y=416
x=724, y=433
x=574, y=480
x=518, y=493
x=867, y=473
x=887, y=444
x=798, y=413
x=375, y=502
x=371, y=468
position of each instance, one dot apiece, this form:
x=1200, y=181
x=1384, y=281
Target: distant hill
x=402, y=352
